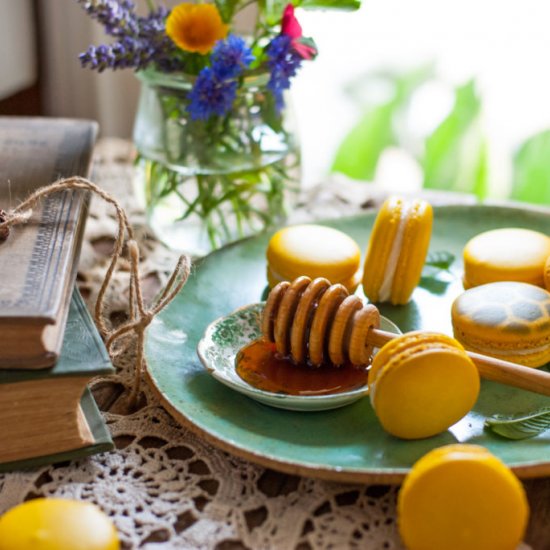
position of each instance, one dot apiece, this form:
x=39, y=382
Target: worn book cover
x=38, y=261
x=48, y=415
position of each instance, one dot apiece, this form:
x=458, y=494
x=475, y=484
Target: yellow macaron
x=508, y=254
x=461, y=497
x=314, y=251
x=57, y=524
x=507, y=320
x=397, y=250
x=421, y=383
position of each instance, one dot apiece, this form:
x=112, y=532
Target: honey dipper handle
x=490, y=368
x=511, y=374
x=378, y=338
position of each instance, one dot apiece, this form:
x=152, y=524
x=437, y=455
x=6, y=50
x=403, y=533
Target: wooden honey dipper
x=305, y=317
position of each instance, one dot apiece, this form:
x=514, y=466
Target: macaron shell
x=416, y=241
x=405, y=342
x=508, y=254
x=57, y=524
x=461, y=497
x=424, y=390
x=386, y=226
x=315, y=251
x=509, y=320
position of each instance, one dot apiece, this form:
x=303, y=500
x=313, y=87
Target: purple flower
x=230, y=57
x=283, y=62
x=140, y=40
x=117, y=17
x=211, y=96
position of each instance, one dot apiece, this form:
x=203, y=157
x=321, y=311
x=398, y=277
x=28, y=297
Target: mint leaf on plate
x=520, y=426
x=440, y=260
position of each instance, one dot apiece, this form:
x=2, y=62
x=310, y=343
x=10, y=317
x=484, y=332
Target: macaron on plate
x=347, y=443
x=227, y=335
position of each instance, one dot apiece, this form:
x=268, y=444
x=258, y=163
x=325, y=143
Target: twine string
x=140, y=316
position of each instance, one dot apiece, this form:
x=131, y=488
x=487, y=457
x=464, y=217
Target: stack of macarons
x=505, y=311
x=507, y=320
x=395, y=255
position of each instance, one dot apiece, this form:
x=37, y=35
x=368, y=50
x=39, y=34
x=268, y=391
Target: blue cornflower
x=283, y=63
x=211, y=96
x=230, y=57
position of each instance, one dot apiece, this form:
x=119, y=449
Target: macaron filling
x=490, y=350
x=395, y=253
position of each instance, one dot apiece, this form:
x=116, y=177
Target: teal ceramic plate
x=224, y=337
x=347, y=443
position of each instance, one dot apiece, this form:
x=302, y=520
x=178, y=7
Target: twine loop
x=140, y=317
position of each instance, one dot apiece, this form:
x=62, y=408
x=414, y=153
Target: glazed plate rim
x=186, y=415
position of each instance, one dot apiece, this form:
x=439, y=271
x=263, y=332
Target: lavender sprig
x=140, y=40
x=117, y=17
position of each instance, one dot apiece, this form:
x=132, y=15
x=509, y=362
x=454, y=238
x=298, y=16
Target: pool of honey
x=259, y=365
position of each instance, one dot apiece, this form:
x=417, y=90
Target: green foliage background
x=454, y=157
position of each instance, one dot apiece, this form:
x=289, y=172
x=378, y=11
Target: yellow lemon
x=57, y=524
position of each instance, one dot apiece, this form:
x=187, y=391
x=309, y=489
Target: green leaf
x=273, y=11
x=520, y=426
x=359, y=152
x=532, y=170
x=440, y=260
x=226, y=9
x=344, y=5
x=455, y=156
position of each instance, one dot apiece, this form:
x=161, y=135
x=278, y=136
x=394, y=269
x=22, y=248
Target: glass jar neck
x=184, y=81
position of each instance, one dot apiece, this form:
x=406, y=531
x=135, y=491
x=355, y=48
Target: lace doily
x=163, y=486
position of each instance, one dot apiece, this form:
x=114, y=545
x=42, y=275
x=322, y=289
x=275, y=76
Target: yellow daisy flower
x=195, y=27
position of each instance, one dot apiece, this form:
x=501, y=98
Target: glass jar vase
x=205, y=183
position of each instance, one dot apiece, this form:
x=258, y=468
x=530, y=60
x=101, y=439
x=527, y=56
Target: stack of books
x=49, y=346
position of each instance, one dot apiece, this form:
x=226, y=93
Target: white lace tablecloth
x=163, y=486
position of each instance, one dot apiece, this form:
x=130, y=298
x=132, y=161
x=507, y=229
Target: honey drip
x=259, y=365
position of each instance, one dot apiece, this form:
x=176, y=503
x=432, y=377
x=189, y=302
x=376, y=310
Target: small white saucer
x=225, y=336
